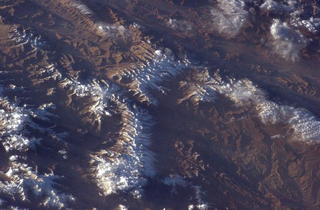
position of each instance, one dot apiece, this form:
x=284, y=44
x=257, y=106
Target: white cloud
x=229, y=17
x=244, y=93
x=84, y=9
x=273, y=6
x=305, y=126
x=180, y=25
x=312, y=24
x=286, y=41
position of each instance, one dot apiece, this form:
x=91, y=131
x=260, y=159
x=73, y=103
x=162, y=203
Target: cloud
x=286, y=41
x=180, y=25
x=229, y=17
x=312, y=24
x=298, y=16
x=275, y=7
x=84, y=9
x=304, y=125
x=243, y=92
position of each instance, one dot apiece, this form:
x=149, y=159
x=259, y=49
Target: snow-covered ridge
x=50, y=72
x=44, y=74
x=22, y=37
x=129, y=162
x=95, y=91
x=198, y=88
x=14, y=123
x=150, y=75
x=125, y=166
x=26, y=39
x=12, y=120
x=22, y=179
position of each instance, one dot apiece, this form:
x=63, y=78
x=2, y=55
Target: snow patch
x=13, y=120
x=198, y=88
x=22, y=178
x=150, y=75
x=23, y=37
x=126, y=166
x=16, y=122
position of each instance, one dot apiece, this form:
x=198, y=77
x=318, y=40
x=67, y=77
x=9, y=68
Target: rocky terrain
x=160, y=104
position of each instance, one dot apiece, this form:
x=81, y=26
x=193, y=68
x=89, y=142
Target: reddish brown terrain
x=160, y=104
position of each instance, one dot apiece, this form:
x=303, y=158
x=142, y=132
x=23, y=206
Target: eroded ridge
x=21, y=181
x=126, y=165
